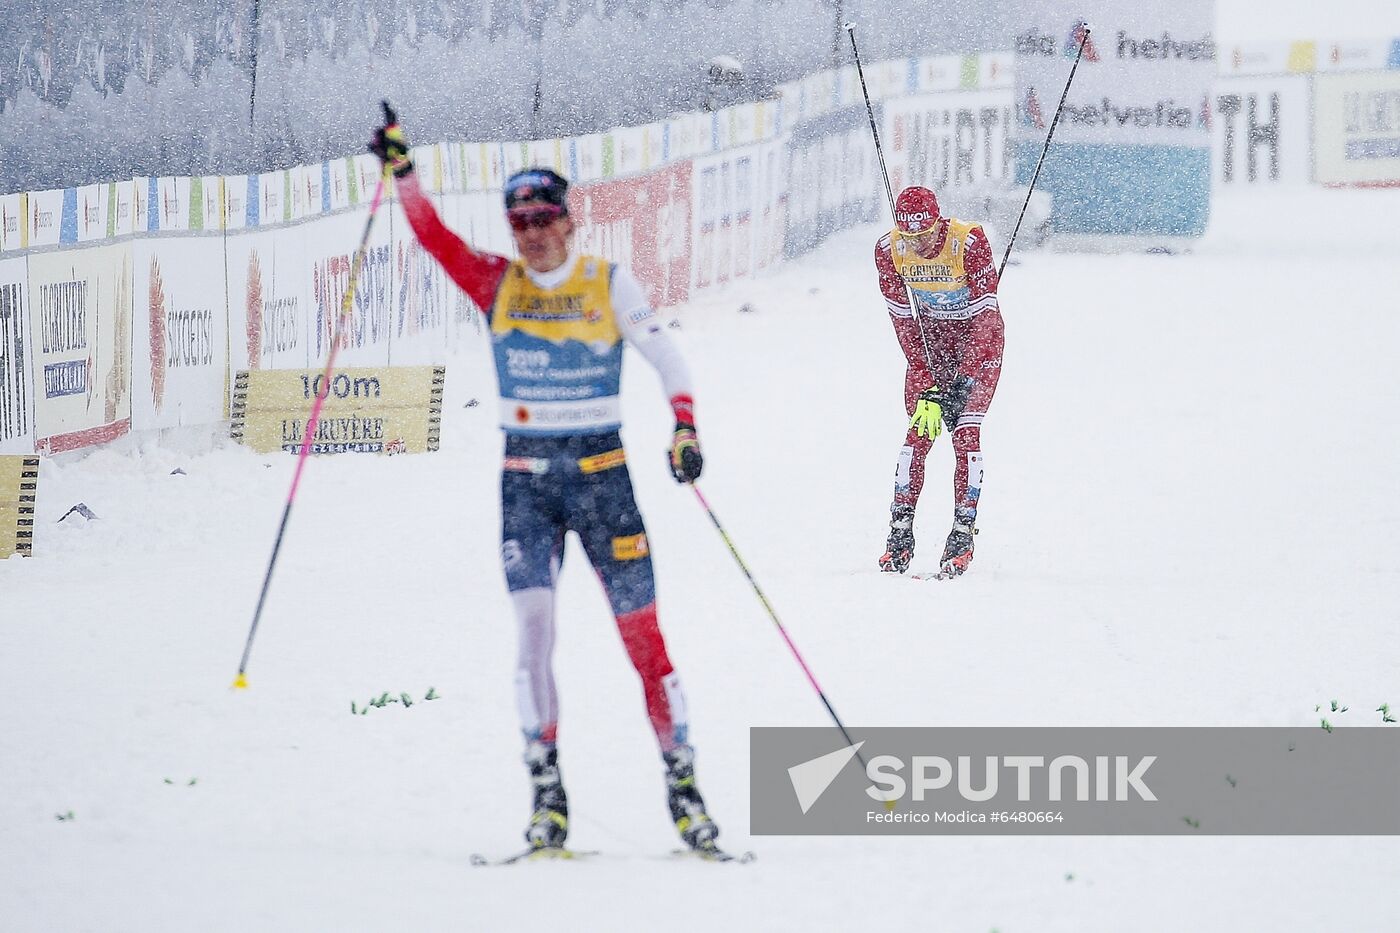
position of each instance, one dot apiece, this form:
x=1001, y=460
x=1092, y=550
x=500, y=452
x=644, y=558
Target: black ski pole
x=1046, y=148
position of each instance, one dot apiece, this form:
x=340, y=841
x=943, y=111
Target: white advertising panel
x=1254, y=58
x=179, y=332
x=45, y=216
x=16, y=345
x=1357, y=128
x=269, y=307
x=235, y=190
x=1132, y=153
x=949, y=140
x=737, y=221
x=211, y=203
x=329, y=244
x=123, y=219
x=172, y=207
x=14, y=228
x=80, y=317
x=1143, y=79
x=1261, y=130
x=93, y=204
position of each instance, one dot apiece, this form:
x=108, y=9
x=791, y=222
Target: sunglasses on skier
x=533, y=218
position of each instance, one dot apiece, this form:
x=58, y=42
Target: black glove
x=684, y=459
x=390, y=143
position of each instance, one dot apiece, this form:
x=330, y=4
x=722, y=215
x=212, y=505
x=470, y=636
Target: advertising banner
x=382, y=409
x=738, y=222
x=92, y=205
x=644, y=225
x=950, y=140
x=80, y=316
x=329, y=248
x=121, y=214
x=19, y=488
x=833, y=178
x=269, y=306
x=423, y=299
x=16, y=342
x=179, y=332
x=14, y=230
x=45, y=213
x=1356, y=127
x=1261, y=131
x=1132, y=152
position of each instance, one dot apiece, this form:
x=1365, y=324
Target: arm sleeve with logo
x=981, y=269
x=641, y=327
x=476, y=273
x=906, y=326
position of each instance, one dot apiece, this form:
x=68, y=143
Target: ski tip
x=240, y=682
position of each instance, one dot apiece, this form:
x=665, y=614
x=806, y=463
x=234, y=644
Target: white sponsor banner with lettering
x=179, y=332
x=16, y=347
x=1357, y=128
x=45, y=217
x=92, y=212
x=269, y=307
x=736, y=217
x=1261, y=129
x=422, y=299
x=329, y=247
x=14, y=229
x=80, y=319
x=950, y=140
x=1144, y=78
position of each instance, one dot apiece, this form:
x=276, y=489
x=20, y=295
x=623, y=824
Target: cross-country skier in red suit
x=940, y=285
x=559, y=321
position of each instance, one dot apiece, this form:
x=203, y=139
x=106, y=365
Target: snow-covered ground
x=1190, y=518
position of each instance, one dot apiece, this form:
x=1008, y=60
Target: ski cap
x=537, y=186
x=915, y=210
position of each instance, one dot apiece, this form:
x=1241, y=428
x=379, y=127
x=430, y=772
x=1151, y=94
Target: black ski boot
x=899, y=549
x=697, y=830
x=957, y=552
x=549, y=824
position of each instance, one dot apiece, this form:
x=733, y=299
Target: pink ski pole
x=241, y=681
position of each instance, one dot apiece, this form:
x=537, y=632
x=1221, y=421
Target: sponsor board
x=179, y=332
x=738, y=222
x=16, y=343
x=423, y=300
x=19, y=489
x=1132, y=154
x=642, y=224
x=1356, y=128
x=833, y=178
x=385, y=409
x=329, y=249
x=92, y=203
x=957, y=139
x=170, y=209
x=121, y=213
x=269, y=306
x=14, y=228
x=1254, y=58
x=1261, y=133
x=43, y=218
x=1353, y=55
x=80, y=319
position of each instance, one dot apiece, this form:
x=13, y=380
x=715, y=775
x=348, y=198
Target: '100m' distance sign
x=389, y=409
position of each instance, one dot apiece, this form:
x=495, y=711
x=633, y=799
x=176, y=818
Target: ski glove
x=685, y=459
x=390, y=143
x=928, y=414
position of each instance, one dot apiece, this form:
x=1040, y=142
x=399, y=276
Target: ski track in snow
x=1189, y=518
